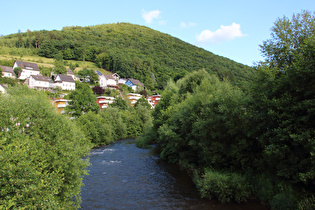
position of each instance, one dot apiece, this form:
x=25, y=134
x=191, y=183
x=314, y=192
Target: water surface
x=122, y=176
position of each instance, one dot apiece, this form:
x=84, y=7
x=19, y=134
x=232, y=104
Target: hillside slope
x=131, y=51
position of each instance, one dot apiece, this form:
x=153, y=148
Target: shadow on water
x=122, y=176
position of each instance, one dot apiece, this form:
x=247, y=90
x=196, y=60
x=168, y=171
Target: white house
x=110, y=80
x=66, y=82
x=101, y=79
x=27, y=68
x=7, y=72
x=122, y=81
x=39, y=82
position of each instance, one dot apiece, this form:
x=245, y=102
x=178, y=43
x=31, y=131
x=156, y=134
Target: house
x=27, y=68
x=121, y=81
x=2, y=89
x=134, y=83
x=66, y=82
x=70, y=73
x=7, y=71
x=116, y=76
x=60, y=104
x=133, y=98
x=110, y=80
x=104, y=101
x=101, y=79
x=39, y=82
x=153, y=100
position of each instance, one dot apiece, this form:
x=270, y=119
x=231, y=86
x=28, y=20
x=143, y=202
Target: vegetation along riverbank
x=242, y=132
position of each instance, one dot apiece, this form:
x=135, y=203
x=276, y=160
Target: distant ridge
x=132, y=51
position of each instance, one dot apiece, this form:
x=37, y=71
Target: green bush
x=223, y=186
x=41, y=153
x=307, y=203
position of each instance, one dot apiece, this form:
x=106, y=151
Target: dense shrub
x=223, y=186
x=41, y=153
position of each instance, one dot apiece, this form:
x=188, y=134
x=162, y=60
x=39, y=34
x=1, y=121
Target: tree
x=82, y=100
x=119, y=103
x=287, y=36
x=98, y=90
x=17, y=71
x=60, y=67
x=1, y=72
x=42, y=153
x=283, y=95
x=88, y=75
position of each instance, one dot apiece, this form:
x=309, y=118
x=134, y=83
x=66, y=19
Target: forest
x=132, y=51
x=253, y=142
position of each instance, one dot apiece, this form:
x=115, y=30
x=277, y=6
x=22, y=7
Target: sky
x=230, y=28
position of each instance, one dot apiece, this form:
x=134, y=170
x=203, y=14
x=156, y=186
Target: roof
x=109, y=76
x=7, y=69
x=70, y=72
x=135, y=82
x=65, y=78
x=98, y=73
x=27, y=65
x=41, y=78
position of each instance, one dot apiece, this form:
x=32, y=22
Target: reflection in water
x=122, y=176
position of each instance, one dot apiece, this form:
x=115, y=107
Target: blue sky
x=229, y=28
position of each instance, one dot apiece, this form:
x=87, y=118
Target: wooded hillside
x=130, y=50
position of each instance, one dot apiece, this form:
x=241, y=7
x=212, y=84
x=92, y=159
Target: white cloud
x=224, y=33
x=148, y=16
x=187, y=25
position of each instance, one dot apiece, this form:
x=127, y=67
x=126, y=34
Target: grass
x=48, y=62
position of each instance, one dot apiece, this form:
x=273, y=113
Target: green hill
x=130, y=50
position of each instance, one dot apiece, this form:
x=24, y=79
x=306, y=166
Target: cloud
x=187, y=25
x=224, y=33
x=148, y=16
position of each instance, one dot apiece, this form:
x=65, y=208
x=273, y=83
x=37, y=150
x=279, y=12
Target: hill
x=130, y=50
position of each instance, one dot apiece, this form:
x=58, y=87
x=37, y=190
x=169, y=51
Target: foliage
x=98, y=90
x=96, y=129
x=9, y=81
x=88, y=75
x=1, y=72
x=223, y=186
x=120, y=103
x=41, y=154
x=82, y=100
x=143, y=102
x=17, y=71
x=130, y=50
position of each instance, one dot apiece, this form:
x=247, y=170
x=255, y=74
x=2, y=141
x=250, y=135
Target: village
x=31, y=75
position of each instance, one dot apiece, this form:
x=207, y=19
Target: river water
x=122, y=176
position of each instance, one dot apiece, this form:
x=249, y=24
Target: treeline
x=132, y=51
x=256, y=141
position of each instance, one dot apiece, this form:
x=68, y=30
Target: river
x=122, y=176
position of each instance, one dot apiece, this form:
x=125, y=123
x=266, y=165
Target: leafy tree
x=17, y=71
x=119, y=103
x=88, y=75
x=82, y=100
x=283, y=96
x=98, y=90
x=143, y=102
x=42, y=154
x=60, y=67
x=1, y=72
